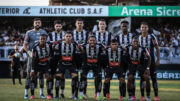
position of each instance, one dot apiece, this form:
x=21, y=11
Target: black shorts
x=102, y=63
x=133, y=68
x=62, y=69
x=124, y=63
x=96, y=70
x=54, y=65
x=43, y=69
x=78, y=59
x=118, y=70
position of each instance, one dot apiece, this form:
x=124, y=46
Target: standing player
x=54, y=37
x=91, y=57
x=80, y=36
x=15, y=64
x=125, y=39
x=67, y=50
x=103, y=37
x=150, y=42
x=114, y=57
x=31, y=37
x=137, y=56
x=42, y=53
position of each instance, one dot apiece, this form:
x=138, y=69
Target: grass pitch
x=169, y=90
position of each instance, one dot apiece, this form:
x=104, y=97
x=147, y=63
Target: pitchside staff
x=113, y=58
x=42, y=53
x=31, y=37
x=137, y=59
x=15, y=64
x=54, y=38
x=80, y=36
x=150, y=42
x=91, y=61
x=67, y=53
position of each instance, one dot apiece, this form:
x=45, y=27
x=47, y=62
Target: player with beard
x=91, y=57
x=31, y=37
x=55, y=37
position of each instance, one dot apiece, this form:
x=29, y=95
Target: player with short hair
x=67, y=53
x=91, y=61
x=31, y=37
x=54, y=38
x=80, y=36
x=137, y=57
x=150, y=42
x=42, y=54
x=114, y=58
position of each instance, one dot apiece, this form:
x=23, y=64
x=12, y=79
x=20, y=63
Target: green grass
x=169, y=90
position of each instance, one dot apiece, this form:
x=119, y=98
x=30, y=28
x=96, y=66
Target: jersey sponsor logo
x=92, y=60
x=114, y=63
x=44, y=59
x=67, y=58
x=135, y=62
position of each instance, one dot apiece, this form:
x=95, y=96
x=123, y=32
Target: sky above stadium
x=24, y=2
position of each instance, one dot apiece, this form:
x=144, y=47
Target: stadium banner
x=161, y=74
x=144, y=11
x=53, y=10
x=91, y=11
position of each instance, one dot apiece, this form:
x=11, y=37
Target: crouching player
x=138, y=57
x=42, y=52
x=67, y=50
x=91, y=56
x=114, y=54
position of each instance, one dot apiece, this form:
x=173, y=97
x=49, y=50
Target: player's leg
x=75, y=84
x=83, y=80
x=27, y=81
x=98, y=81
x=62, y=84
x=122, y=83
x=48, y=85
x=154, y=81
x=32, y=84
x=19, y=75
x=148, y=86
x=106, y=85
x=13, y=75
x=41, y=83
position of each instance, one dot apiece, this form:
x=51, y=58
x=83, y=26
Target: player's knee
x=74, y=75
x=48, y=77
x=130, y=78
x=107, y=80
x=122, y=80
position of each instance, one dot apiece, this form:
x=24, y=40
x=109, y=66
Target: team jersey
x=125, y=40
x=114, y=57
x=41, y=56
x=149, y=42
x=92, y=55
x=103, y=38
x=138, y=56
x=32, y=37
x=53, y=36
x=80, y=37
x=67, y=53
